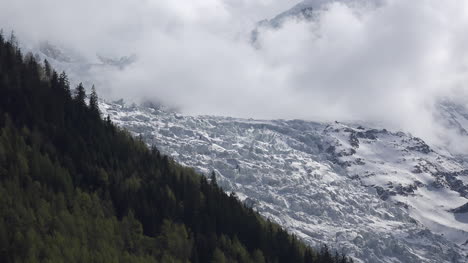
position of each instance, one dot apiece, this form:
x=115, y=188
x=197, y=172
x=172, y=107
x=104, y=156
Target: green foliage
x=75, y=188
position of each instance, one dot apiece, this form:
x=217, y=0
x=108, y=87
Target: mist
x=390, y=63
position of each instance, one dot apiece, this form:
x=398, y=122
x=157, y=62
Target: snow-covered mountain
x=379, y=196
x=375, y=194
x=307, y=10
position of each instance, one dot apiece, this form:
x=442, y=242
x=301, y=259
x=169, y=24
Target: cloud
x=389, y=63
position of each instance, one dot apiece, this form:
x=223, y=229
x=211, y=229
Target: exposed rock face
x=460, y=210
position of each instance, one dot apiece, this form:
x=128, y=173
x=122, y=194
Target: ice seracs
x=378, y=195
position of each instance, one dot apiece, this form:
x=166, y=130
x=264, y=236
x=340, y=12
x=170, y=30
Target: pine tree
x=64, y=83
x=213, y=180
x=218, y=256
x=54, y=80
x=93, y=101
x=80, y=94
x=13, y=40
x=47, y=69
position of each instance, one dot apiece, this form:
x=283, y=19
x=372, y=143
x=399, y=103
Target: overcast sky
x=387, y=63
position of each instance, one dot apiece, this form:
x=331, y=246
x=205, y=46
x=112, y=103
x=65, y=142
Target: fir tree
x=80, y=94
x=47, y=69
x=94, y=101
x=213, y=180
x=13, y=40
x=64, y=83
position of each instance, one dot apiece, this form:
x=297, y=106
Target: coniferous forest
x=76, y=188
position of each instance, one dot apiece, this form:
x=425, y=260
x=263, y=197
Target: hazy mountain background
x=382, y=61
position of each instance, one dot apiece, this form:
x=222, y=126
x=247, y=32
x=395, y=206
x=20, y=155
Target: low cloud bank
x=389, y=63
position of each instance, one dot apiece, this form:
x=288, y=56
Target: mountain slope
x=380, y=196
x=76, y=188
x=404, y=197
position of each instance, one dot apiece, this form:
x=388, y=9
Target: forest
x=76, y=188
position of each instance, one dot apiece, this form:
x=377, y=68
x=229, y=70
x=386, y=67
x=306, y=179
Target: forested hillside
x=75, y=188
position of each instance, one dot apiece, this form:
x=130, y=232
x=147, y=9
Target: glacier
x=374, y=194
